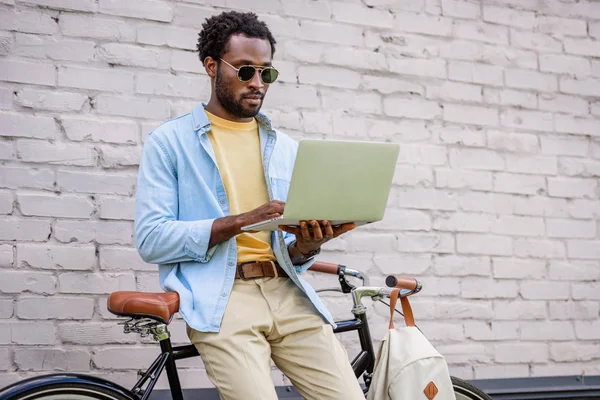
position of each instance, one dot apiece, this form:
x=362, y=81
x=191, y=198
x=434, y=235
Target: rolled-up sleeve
x=160, y=238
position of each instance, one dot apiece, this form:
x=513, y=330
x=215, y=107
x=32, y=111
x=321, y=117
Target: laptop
x=340, y=181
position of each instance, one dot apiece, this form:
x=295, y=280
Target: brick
x=493, y=203
x=476, y=159
x=6, y=97
x=470, y=114
x=423, y=24
x=118, y=156
x=587, y=330
x=6, y=202
x=533, y=290
x=565, y=228
x=462, y=222
x=55, y=307
x=521, y=353
x=426, y=199
x=51, y=100
x=509, y=97
x=331, y=33
x=501, y=371
x=24, y=229
x=458, y=179
x=499, y=56
x=481, y=31
x=586, y=291
x=317, y=122
x=496, y=331
x=93, y=26
x=37, y=46
x=464, y=354
x=117, y=208
x=435, y=68
x=562, y=103
x=123, y=357
x=509, y=268
x=368, y=241
x=40, y=359
x=293, y=96
x=6, y=255
x=369, y=102
x=518, y=226
x=564, y=145
x=405, y=220
x=329, y=76
x=516, y=142
x=519, y=309
x=28, y=21
x=579, y=167
x=158, y=35
x=307, y=9
x=453, y=265
x=25, y=281
x=455, y=91
x=52, y=205
x=564, y=64
x=103, y=232
x=442, y=331
x=405, y=130
x=573, y=351
x=411, y=107
x=547, y=330
x=308, y=52
x=77, y=282
x=132, y=106
x=69, y=5
x=422, y=155
x=461, y=9
x=349, y=126
x=583, y=208
x=575, y=310
x=584, y=249
x=357, y=14
x=147, y=283
x=27, y=72
x=57, y=153
x=100, y=130
x=170, y=85
x=56, y=257
x=7, y=151
x=471, y=243
x=147, y=9
x=539, y=248
x=535, y=41
x=20, y=177
x=525, y=79
x=6, y=307
x=113, y=258
x=111, y=80
x=483, y=288
x=386, y=85
x=582, y=126
x=475, y=73
x=561, y=26
x=462, y=135
x=528, y=164
x=571, y=187
x=509, y=16
x=582, y=46
x=437, y=242
x=92, y=182
x=93, y=333
x=32, y=332
x=28, y=126
x=344, y=56
x=582, y=86
x=406, y=175
x=188, y=61
x=134, y=56
x=530, y=120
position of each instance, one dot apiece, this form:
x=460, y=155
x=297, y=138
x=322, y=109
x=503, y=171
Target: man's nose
x=256, y=82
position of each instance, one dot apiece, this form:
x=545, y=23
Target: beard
x=232, y=105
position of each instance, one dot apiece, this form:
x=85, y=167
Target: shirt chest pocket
x=280, y=188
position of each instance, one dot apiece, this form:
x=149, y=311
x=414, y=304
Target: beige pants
x=270, y=318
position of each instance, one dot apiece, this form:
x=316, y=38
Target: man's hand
x=270, y=210
x=311, y=235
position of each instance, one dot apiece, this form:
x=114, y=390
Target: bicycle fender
x=21, y=387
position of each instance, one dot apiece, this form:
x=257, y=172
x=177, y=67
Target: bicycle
x=150, y=314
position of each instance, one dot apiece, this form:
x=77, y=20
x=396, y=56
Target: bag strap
x=409, y=318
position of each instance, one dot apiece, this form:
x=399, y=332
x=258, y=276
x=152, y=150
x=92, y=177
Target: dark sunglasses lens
x=246, y=73
x=269, y=75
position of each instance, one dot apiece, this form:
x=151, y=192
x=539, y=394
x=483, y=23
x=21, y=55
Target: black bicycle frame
x=363, y=362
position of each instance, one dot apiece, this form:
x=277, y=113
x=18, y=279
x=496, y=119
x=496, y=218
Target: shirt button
x=230, y=263
x=222, y=202
x=224, y=294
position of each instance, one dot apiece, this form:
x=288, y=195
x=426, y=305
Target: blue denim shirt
x=180, y=193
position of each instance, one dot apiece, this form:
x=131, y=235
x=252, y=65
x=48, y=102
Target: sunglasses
x=246, y=72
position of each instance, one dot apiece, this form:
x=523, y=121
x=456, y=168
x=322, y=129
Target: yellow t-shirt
x=237, y=149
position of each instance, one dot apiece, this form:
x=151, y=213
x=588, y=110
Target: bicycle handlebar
x=325, y=267
x=401, y=282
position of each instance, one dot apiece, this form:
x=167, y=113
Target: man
x=202, y=177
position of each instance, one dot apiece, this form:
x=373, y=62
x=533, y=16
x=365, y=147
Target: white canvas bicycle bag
x=408, y=367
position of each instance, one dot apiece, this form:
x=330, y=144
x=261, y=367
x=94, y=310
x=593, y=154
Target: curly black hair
x=217, y=30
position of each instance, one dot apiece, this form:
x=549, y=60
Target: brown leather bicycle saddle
x=158, y=306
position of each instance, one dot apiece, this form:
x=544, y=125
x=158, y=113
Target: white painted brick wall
x=496, y=197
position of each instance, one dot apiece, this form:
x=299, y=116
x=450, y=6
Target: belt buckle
x=274, y=268
x=240, y=270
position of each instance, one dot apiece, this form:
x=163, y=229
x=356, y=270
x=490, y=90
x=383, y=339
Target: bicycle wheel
x=66, y=391
x=465, y=391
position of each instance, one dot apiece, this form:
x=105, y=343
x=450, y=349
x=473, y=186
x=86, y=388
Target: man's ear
x=210, y=66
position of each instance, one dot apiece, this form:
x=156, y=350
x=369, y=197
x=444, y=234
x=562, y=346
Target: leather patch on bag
x=430, y=390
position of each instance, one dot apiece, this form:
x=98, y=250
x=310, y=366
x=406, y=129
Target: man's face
x=242, y=99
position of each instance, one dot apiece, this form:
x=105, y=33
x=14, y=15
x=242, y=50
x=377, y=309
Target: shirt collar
x=202, y=124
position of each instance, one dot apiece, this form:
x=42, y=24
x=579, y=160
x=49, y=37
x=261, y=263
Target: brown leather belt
x=259, y=269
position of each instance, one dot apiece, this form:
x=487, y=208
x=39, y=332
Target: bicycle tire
x=68, y=391
x=465, y=391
